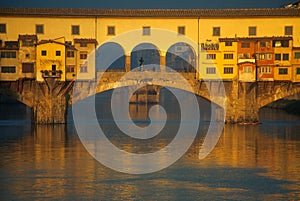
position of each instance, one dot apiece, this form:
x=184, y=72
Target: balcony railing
x=51, y=73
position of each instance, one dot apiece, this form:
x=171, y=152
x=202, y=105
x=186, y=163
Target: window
x=8, y=69
x=57, y=53
x=82, y=44
x=283, y=71
x=111, y=30
x=288, y=30
x=252, y=31
x=298, y=71
x=228, y=56
x=181, y=30
x=285, y=57
x=2, y=28
x=211, y=56
x=27, y=56
x=39, y=29
x=297, y=55
x=216, y=31
x=8, y=55
x=245, y=45
x=83, y=68
x=260, y=56
x=247, y=69
x=83, y=55
x=75, y=30
x=70, y=68
x=70, y=53
x=262, y=44
x=28, y=43
x=228, y=43
x=281, y=43
x=277, y=57
x=228, y=70
x=27, y=68
x=44, y=53
x=266, y=70
x=146, y=31
x=211, y=70
x=268, y=56
x=244, y=56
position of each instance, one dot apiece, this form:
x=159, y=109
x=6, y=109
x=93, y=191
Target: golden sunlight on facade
x=235, y=44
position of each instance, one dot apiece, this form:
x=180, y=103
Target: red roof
x=28, y=37
x=85, y=40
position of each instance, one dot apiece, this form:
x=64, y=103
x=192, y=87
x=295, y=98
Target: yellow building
x=9, y=53
x=131, y=29
x=85, y=58
x=228, y=48
x=282, y=58
x=27, y=55
x=296, y=64
x=50, y=59
x=71, y=62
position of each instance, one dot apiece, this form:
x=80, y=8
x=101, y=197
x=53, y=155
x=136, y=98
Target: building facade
x=232, y=44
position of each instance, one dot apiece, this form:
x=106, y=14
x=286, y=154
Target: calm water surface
x=253, y=162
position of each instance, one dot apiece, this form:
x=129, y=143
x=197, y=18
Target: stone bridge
x=240, y=100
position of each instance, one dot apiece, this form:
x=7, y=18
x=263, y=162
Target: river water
x=249, y=162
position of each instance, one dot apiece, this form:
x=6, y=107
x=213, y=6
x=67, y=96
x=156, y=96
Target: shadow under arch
x=181, y=57
x=110, y=57
x=148, y=53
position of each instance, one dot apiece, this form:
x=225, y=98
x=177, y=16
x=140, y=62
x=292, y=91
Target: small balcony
x=51, y=73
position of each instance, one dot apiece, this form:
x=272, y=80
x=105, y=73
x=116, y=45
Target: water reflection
x=258, y=162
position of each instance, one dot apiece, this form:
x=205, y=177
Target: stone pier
x=51, y=101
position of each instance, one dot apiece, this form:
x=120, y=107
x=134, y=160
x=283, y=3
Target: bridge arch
x=181, y=57
x=110, y=56
x=147, y=54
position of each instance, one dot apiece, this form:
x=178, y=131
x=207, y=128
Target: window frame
x=298, y=55
x=285, y=57
x=216, y=31
x=211, y=70
x=83, y=55
x=252, y=31
x=74, y=30
x=288, y=30
x=70, y=54
x=44, y=53
x=181, y=30
x=243, y=45
x=28, y=69
x=211, y=56
x=111, y=30
x=246, y=69
x=228, y=43
x=39, y=29
x=228, y=70
x=283, y=71
x=83, y=66
x=146, y=30
x=228, y=56
x=277, y=57
x=8, y=67
x=4, y=27
x=68, y=67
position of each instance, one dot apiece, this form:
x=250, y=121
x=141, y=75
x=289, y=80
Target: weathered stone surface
x=242, y=100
